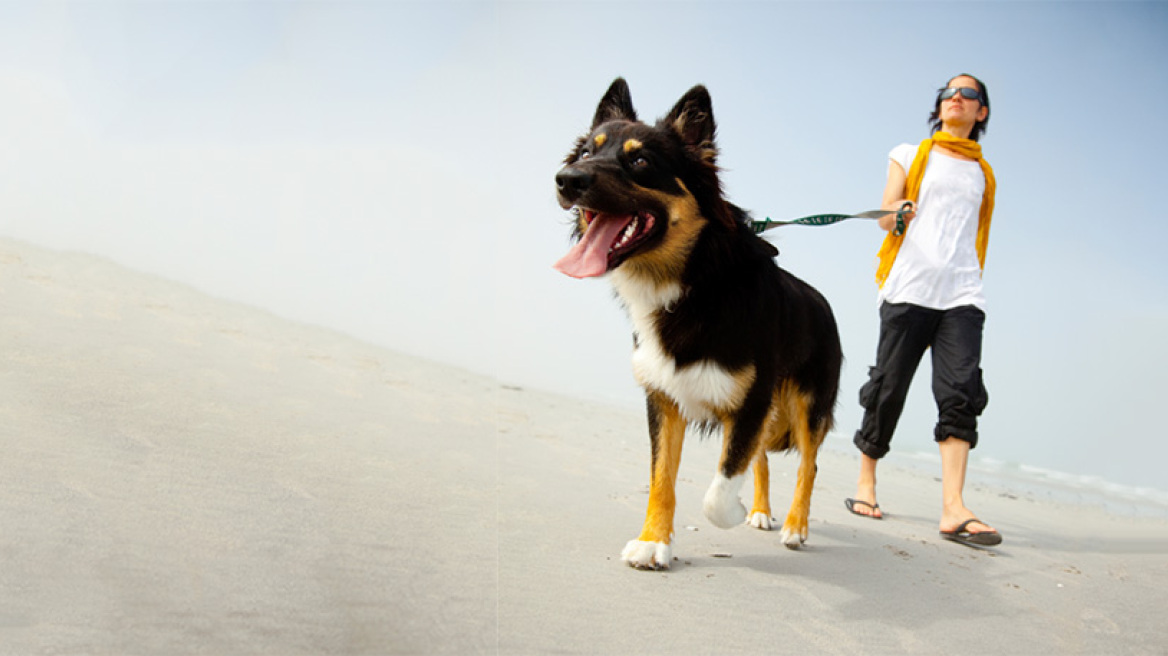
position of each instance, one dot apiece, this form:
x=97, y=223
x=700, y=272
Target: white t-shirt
x=937, y=266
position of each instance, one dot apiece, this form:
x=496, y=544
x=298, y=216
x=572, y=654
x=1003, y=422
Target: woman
x=931, y=296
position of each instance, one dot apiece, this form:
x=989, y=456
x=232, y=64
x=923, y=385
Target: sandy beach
x=186, y=475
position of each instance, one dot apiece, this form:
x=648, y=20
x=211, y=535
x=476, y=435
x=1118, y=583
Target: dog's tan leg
x=794, y=531
x=651, y=550
x=760, y=513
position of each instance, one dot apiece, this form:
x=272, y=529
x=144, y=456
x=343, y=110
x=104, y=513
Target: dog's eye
x=640, y=163
x=585, y=154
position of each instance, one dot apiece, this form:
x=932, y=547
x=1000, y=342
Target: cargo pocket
x=982, y=398
x=871, y=389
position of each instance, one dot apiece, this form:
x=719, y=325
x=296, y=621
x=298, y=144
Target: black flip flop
x=851, y=502
x=979, y=539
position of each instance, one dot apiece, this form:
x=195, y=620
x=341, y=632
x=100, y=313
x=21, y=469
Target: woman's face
x=959, y=110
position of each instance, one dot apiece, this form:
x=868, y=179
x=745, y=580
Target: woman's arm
x=894, y=197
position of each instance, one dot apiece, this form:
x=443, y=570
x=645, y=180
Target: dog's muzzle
x=571, y=183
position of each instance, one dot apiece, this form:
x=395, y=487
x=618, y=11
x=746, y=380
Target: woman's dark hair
x=980, y=126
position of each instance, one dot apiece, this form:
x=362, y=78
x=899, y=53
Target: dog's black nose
x=571, y=182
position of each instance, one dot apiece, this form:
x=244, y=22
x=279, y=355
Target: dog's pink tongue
x=589, y=258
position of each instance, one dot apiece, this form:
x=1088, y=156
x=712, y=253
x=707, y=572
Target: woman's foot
x=960, y=524
x=864, y=503
x=973, y=532
x=966, y=522
x=864, y=509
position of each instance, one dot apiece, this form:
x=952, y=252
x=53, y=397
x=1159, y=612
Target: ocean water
x=1028, y=481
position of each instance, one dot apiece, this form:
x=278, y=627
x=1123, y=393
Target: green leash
x=828, y=219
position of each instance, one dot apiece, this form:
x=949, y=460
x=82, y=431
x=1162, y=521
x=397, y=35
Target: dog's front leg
x=721, y=504
x=740, y=444
x=666, y=433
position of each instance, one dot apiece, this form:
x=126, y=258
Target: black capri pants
x=906, y=331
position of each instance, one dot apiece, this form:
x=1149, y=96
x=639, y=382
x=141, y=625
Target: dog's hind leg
x=794, y=532
x=760, y=513
x=651, y=550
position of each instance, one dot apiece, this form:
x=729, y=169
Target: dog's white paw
x=647, y=555
x=792, y=539
x=761, y=521
x=722, y=506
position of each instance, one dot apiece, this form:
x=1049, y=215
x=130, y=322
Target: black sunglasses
x=969, y=93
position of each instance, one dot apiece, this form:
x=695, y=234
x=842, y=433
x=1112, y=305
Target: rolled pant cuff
x=869, y=449
x=942, y=433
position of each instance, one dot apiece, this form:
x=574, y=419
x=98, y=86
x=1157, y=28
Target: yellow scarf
x=912, y=189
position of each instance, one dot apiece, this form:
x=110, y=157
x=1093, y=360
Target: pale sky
x=386, y=169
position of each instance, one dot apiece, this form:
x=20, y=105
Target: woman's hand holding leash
x=897, y=222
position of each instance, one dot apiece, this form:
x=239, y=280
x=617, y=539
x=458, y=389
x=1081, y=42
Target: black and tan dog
x=722, y=336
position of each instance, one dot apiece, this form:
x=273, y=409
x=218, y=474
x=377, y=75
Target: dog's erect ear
x=617, y=104
x=692, y=118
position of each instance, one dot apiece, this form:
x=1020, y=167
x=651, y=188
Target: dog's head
x=642, y=194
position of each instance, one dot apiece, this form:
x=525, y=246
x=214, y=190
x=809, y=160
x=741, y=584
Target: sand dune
x=185, y=475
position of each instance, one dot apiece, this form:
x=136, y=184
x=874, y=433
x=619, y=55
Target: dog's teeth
x=626, y=235
x=629, y=232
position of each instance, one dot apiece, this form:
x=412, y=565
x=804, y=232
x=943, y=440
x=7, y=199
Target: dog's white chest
x=699, y=388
